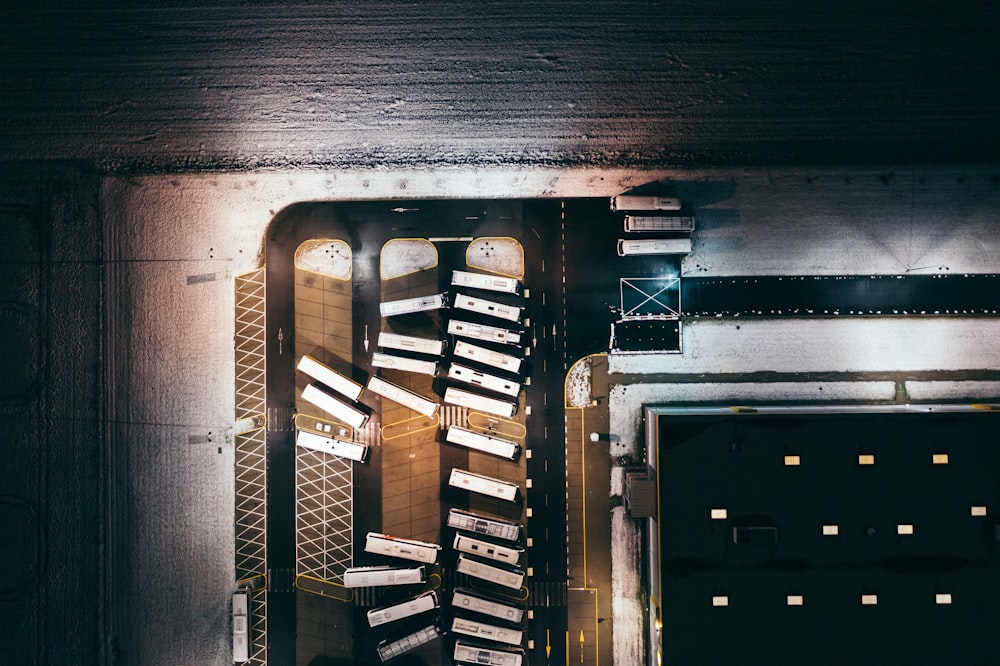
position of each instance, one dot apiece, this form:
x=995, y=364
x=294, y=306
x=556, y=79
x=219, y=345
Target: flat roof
x=875, y=529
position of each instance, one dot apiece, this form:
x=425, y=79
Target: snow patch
x=496, y=255
x=578, y=384
x=328, y=257
x=403, y=256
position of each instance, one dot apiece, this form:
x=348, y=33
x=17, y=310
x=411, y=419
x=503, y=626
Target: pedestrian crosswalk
x=454, y=415
x=547, y=593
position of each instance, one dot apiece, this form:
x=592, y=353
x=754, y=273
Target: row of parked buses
x=483, y=369
x=653, y=214
x=489, y=549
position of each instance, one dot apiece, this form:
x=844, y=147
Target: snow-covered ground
x=328, y=257
x=403, y=256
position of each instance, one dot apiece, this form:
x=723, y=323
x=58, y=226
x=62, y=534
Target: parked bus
x=241, y=627
x=485, y=604
x=331, y=378
x=654, y=246
x=641, y=223
x=333, y=446
x=474, y=440
x=390, y=648
x=491, y=308
x=507, y=285
x=479, y=523
x=473, y=546
x=408, y=549
x=333, y=406
x=405, y=397
x=641, y=202
x=511, y=577
x=406, y=364
x=383, y=575
x=484, y=485
x=491, y=656
x=471, y=400
x=494, y=359
x=492, y=632
x=411, y=343
x=421, y=603
x=463, y=373
x=480, y=332
x=409, y=305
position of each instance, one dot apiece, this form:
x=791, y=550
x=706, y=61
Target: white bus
x=628, y=248
x=474, y=440
x=484, y=604
x=484, y=485
x=333, y=406
x=479, y=332
x=406, y=398
x=479, y=523
x=422, y=603
x=492, y=632
x=491, y=656
x=641, y=202
x=393, y=362
x=471, y=400
x=507, y=285
x=408, y=305
x=390, y=648
x=383, y=575
x=411, y=343
x=335, y=447
x=508, y=577
x=463, y=373
x=407, y=549
x=473, y=546
x=491, y=308
x=330, y=378
x=241, y=627
x=494, y=359
x=641, y=223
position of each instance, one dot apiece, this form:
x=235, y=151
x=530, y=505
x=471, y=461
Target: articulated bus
x=491, y=656
x=471, y=400
x=383, y=575
x=641, y=223
x=333, y=406
x=479, y=523
x=406, y=398
x=491, y=308
x=640, y=202
x=479, y=332
x=333, y=446
x=492, y=632
x=408, y=549
x=484, y=485
x=393, y=362
x=330, y=378
x=484, y=604
x=390, y=648
x=473, y=546
x=494, y=359
x=506, y=285
x=474, y=440
x=422, y=603
x=411, y=343
x=484, y=380
x=508, y=577
x=654, y=246
x=408, y=305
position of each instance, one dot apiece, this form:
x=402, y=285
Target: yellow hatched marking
x=410, y=426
